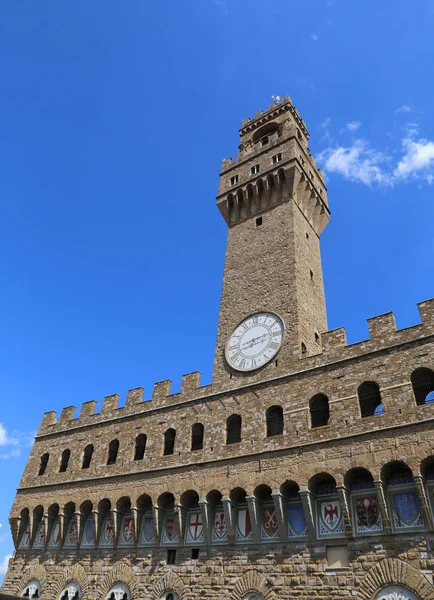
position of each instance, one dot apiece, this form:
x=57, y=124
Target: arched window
x=169, y=596
x=319, y=410
x=395, y=592
x=422, y=381
x=120, y=591
x=87, y=456
x=113, y=452
x=43, y=463
x=364, y=501
x=71, y=591
x=233, y=429
x=139, y=452
x=32, y=589
x=274, y=417
x=197, y=436
x=403, y=497
x=169, y=441
x=65, y=460
x=369, y=399
x=398, y=474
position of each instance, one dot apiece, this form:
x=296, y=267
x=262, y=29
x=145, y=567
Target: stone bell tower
x=274, y=200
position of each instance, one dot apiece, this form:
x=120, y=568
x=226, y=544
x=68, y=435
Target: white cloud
x=357, y=162
x=404, y=109
x=12, y=443
x=314, y=37
x=326, y=132
x=4, y=564
x=418, y=160
x=353, y=125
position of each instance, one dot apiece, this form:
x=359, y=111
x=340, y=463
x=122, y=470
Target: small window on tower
x=171, y=557
x=264, y=140
x=311, y=275
x=258, y=221
x=303, y=348
x=317, y=337
x=307, y=236
x=254, y=169
x=234, y=180
x=277, y=158
x=195, y=553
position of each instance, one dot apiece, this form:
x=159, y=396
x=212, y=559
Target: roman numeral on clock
x=274, y=345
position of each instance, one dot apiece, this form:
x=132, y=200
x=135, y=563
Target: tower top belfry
x=265, y=136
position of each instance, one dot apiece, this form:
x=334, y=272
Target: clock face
x=255, y=341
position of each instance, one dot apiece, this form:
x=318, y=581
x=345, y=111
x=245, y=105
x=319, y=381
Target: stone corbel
x=423, y=502
x=308, y=501
x=182, y=522
x=345, y=498
x=229, y=510
x=158, y=515
x=137, y=522
x=281, y=509
x=255, y=517
x=382, y=505
x=116, y=518
x=205, y=512
x=78, y=526
x=61, y=529
x=48, y=524
x=98, y=517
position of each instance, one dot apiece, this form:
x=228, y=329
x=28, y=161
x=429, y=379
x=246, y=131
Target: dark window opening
x=195, y=553
x=197, y=436
x=234, y=180
x=139, y=452
x=399, y=475
x=311, y=275
x=44, y=462
x=274, y=418
x=319, y=410
x=258, y=221
x=233, y=429
x=277, y=158
x=113, y=452
x=254, y=169
x=317, y=337
x=87, y=456
x=369, y=399
x=303, y=348
x=171, y=559
x=307, y=236
x=169, y=442
x=264, y=140
x=422, y=381
x=170, y=596
x=64, y=461
x=326, y=488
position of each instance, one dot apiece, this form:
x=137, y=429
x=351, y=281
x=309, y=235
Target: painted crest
x=406, y=511
x=296, y=521
x=330, y=517
x=147, y=532
x=367, y=515
x=87, y=541
x=40, y=536
x=244, y=525
x=194, y=532
x=71, y=534
x=55, y=536
x=171, y=529
x=219, y=530
x=107, y=534
x=269, y=529
x=126, y=537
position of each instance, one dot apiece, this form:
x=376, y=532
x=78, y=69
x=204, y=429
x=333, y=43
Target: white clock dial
x=255, y=341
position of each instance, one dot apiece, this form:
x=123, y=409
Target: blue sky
x=114, y=120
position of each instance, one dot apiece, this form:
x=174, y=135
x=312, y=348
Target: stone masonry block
x=110, y=403
x=161, y=389
x=49, y=418
x=426, y=311
x=88, y=408
x=67, y=414
x=190, y=382
x=134, y=396
x=382, y=325
x=334, y=338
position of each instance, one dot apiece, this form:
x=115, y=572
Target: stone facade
x=326, y=489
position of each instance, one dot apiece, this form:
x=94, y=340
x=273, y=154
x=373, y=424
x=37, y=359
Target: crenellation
x=189, y=383
x=426, y=311
x=382, y=326
x=134, y=398
x=87, y=409
x=161, y=391
x=67, y=414
x=336, y=338
x=48, y=420
x=110, y=404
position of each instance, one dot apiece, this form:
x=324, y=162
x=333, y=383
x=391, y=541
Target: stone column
x=308, y=501
x=61, y=529
x=345, y=498
x=423, y=501
x=48, y=524
x=383, y=507
x=78, y=527
x=205, y=512
x=255, y=517
x=182, y=522
x=281, y=508
x=158, y=514
x=229, y=510
x=136, y=524
x=116, y=518
x=97, y=519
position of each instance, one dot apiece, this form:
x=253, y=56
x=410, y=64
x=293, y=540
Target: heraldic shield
x=406, y=511
x=194, y=533
x=330, y=517
x=296, y=521
x=219, y=530
x=368, y=516
x=269, y=528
